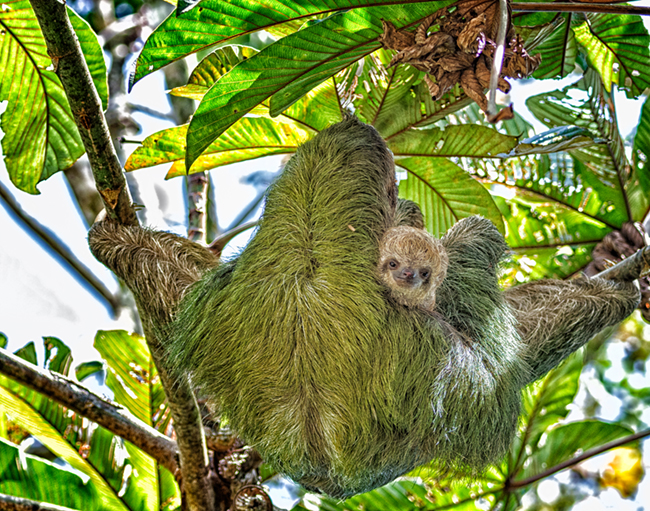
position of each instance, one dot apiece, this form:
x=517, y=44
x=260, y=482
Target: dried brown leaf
x=473, y=89
x=472, y=37
x=394, y=39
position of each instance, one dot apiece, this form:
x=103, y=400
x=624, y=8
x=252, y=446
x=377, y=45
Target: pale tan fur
x=418, y=250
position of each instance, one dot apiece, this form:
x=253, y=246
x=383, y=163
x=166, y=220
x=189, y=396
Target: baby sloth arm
x=412, y=264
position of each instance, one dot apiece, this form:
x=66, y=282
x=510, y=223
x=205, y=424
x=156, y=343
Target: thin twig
x=76, y=397
x=578, y=459
x=219, y=243
x=580, y=7
x=60, y=249
x=11, y=503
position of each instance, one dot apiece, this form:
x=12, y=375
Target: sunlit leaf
x=558, y=50
x=544, y=403
x=30, y=477
x=40, y=136
x=292, y=66
x=445, y=193
x=569, y=440
x=250, y=138
x=218, y=21
x=602, y=168
x=132, y=376
x=617, y=47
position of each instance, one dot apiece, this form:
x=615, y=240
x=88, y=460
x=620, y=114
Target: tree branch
x=60, y=249
x=629, y=268
x=74, y=396
x=578, y=459
x=70, y=66
x=65, y=52
x=580, y=7
x=10, y=503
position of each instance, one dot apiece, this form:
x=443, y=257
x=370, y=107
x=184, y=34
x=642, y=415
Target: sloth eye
x=392, y=264
x=424, y=273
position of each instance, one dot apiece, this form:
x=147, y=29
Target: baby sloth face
x=412, y=264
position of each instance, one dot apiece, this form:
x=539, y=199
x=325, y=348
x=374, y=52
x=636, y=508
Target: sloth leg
x=157, y=267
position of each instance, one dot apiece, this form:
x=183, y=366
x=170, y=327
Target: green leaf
x=250, y=138
x=298, y=63
x=86, y=369
x=30, y=477
x=26, y=416
x=132, y=376
x=58, y=356
x=561, y=138
x=211, y=68
x=28, y=353
x=603, y=167
x=445, y=193
x=396, y=99
x=639, y=184
x=617, y=46
x=544, y=403
x=93, y=55
x=218, y=21
x=567, y=441
x=3, y=340
x=41, y=137
x=465, y=140
x=558, y=49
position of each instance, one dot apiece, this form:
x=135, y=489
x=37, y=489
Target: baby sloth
x=412, y=264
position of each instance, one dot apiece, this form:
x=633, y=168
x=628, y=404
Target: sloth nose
x=407, y=273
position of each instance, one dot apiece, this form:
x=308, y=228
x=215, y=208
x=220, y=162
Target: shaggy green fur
x=336, y=384
x=315, y=366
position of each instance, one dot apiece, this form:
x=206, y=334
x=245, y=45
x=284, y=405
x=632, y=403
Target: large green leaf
x=218, y=21
x=601, y=168
x=24, y=413
x=569, y=440
x=617, y=46
x=125, y=477
x=445, y=193
x=292, y=66
x=396, y=99
x=249, y=138
x=40, y=136
x=466, y=140
x=558, y=49
x=132, y=376
x=30, y=477
x=315, y=111
x=639, y=183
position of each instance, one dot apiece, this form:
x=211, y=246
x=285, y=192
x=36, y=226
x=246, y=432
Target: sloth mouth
x=405, y=282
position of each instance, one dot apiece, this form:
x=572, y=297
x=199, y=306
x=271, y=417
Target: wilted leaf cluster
x=457, y=45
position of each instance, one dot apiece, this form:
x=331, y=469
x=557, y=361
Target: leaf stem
x=580, y=7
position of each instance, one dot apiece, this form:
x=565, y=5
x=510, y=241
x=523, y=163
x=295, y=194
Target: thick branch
x=63, y=47
x=580, y=7
x=10, y=503
x=65, y=52
x=59, y=248
x=79, y=399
